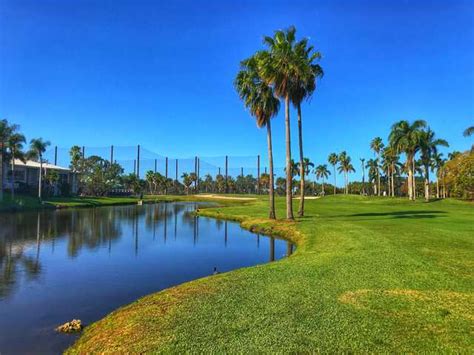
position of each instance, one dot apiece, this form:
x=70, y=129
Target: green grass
x=369, y=274
x=27, y=202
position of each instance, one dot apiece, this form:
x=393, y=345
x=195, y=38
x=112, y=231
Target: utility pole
x=138, y=161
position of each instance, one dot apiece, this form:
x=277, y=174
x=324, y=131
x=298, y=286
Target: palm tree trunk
x=289, y=178
x=13, y=175
x=40, y=177
x=345, y=181
x=413, y=179
x=302, y=167
x=323, y=186
x=335, y=181
x=410, y=179
x=378, y=175
x=388, y=181
x=393, y=181
x=427, y=183
x=437, y=186
x=272, y=214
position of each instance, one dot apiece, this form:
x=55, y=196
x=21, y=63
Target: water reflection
x=112, y=255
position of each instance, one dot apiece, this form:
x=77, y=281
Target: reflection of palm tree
x=272, y=249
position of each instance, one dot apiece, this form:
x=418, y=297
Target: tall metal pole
x=176, y=170
x=226, y=173
x=258, y=174
x=242, y=171
x=138, y=161
x=166, y=168
x=111, y=154
x=198, y=171
x=195, y=172
x=56, y=155
x=83, y=152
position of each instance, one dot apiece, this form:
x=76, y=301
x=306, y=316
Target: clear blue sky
x=161, y=73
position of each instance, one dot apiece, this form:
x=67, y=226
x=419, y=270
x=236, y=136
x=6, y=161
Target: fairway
x=369, y=274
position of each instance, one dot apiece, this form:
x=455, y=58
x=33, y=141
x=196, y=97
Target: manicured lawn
x=381, y=275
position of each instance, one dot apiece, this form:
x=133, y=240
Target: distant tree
x=187, y=181
x=372, y=165
x=37, y=148
x=322, y=172
x=429, y=148
x=405, y=138
x=377, y=146
x=346, y=167
x=15, y=145
x=333, y=159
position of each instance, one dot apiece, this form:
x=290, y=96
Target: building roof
x=35, y=164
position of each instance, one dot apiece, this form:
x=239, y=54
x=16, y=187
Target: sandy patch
x=226, y=197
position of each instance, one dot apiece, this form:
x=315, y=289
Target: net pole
x=111, y=154
x=134, y=167
x=198, y=172
x=83, y=152
x=166, y=176
x=56, y=155
x=176, y=171
x=226, y=173
x=258, y=174
x=138, y=161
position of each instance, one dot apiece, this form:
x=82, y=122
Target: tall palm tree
x=279, y=68
x=405, y=138
x=333, y=159
x=259, y=98
x=377, y=145
x=346, y=167
x=304, y=86
x=37, y=148
x=322, y=172
x=15, y=145
x=429, y=147
x=5, y=131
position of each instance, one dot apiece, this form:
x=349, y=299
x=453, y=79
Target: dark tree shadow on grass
x=402, y=214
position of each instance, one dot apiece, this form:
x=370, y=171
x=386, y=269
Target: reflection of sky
x=85, y=263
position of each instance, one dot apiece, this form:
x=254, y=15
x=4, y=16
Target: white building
x=27, y=173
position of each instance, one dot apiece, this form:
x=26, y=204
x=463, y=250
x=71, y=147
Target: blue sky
x=161, y=73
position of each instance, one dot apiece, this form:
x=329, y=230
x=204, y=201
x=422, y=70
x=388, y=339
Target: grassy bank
x=368, y=274
x=26, y=202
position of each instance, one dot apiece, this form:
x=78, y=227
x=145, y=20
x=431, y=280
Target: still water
x=84, y=263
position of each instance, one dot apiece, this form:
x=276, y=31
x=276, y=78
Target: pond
x=84, y=263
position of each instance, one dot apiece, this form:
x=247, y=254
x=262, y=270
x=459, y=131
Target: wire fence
x=139, y=160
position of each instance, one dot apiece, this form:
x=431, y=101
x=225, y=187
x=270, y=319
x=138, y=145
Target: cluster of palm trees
x=411, y=139
x=343, y=163
x=285, y=70
x=12, y=147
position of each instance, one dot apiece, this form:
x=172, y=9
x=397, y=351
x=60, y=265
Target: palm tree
x=437, y=163
x=322, y=172
x=37, y=149
x=5, y=131
x=333, y=159
x=15, y=144
x=373, y=166
x=259, y=98
x=345, y=166
x=390, y=164
x=279, y=68
x=405, y=138
x=469, y=131
x=429, y=147
x=377, y=145
x=303, y=88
